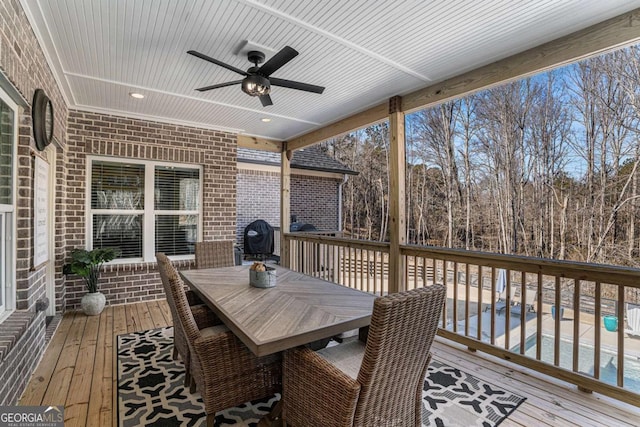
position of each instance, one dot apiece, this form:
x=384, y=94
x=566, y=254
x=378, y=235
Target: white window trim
x=9, y=279
x=148, y=213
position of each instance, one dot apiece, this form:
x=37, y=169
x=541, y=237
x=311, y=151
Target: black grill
x=302, y=226
x=258, y=238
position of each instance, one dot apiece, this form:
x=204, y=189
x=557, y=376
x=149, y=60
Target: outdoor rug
x=151, y=391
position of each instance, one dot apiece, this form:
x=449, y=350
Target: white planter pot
x=92, y=304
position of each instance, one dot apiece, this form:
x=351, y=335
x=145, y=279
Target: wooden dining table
x=299, y=310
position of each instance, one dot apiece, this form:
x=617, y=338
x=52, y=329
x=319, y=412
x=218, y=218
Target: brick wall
x=122, y=137
x=313, y=200
x=23, y=65
x=23, y=335
x=258, y=198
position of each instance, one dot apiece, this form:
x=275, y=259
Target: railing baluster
x=347, y=270
x=324, y=260
x=310, y=258
x=335, y=264
x=454, y=307
x=523, y=311
x=507, y=313
x=343, y=268
x=352, y=266
x=539, y=319
x=620, y=314
x=358, y=275
x=328, y=262
x=556, y=336
x=416, y=276
x=354, y=277
x=365, y=276
x=576, y=324
x=598, y=330
x=493, y=306
x=444, y=282
x=305, y=257
x=375, y=273
x=467, y=296
x=301, y=260
x=343, y=263
x=382, y=274
x=479, y=298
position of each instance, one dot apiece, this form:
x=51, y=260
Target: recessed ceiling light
x=265, y=119
x=136, y=95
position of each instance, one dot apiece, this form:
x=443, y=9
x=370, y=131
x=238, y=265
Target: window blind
x=177, y=204
x=6, y=154
x=118, y=187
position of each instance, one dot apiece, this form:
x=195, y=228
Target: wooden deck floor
x=77, y=370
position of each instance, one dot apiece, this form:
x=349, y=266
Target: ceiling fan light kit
x=257, y=81
x=256, y=85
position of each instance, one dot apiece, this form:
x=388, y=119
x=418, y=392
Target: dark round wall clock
x=42, y=115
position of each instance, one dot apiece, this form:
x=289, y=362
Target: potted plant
x=88, y=264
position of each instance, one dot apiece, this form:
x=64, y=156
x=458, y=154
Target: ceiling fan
x=258, y=80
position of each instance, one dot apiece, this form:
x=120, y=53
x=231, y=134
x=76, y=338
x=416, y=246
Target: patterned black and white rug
x=151, y=392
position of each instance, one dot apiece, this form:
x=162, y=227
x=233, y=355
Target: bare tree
x=435, y=130
x=545, y=166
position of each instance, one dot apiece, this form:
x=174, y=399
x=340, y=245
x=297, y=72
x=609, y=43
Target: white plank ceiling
x=362, y=51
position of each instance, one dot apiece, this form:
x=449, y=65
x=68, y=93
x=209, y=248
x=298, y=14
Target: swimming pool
x=608, y=361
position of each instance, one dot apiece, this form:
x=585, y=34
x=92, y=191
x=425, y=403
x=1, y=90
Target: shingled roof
x=309, y=158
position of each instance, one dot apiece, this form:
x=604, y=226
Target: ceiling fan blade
x=296, y=85
x=219, y=85
x=285, y=55
x=266, y=100
x=215, y=61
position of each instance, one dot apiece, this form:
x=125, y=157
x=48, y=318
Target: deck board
x=41, y=377
x=144, y=314
x=78, y=368
x=133, y=319
x=536, y=405
x=58, y=389
x=157, y=316
x=100, y=399
x=554, y=401
x=119, y=327
x=77, y=403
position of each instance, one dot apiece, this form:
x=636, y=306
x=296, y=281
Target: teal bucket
x=611, y=323
x=553, y=312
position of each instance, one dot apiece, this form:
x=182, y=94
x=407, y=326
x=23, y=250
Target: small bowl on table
x=263, y=279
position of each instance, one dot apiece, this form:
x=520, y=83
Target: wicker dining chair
x=374, y=384
x=226, y=372
x=202, y=314
x=214, y=254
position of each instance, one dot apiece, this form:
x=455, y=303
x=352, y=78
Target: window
x=8, y=139
x=143, y=207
